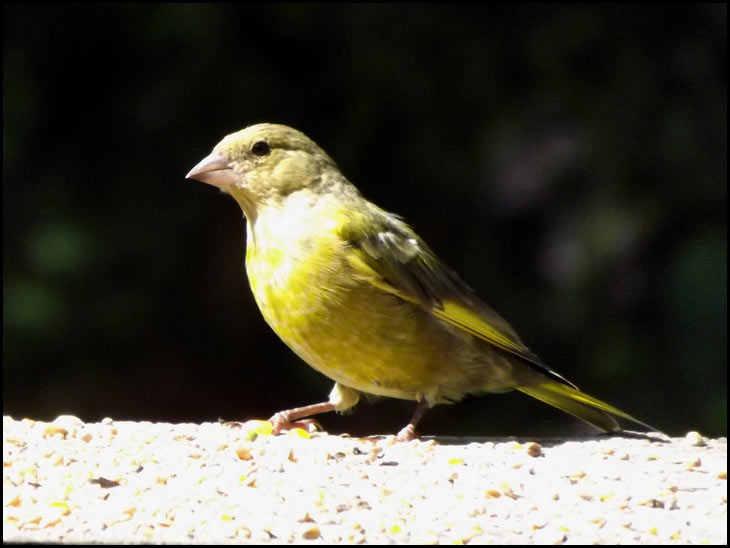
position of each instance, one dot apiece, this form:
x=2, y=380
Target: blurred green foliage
x=570, y=162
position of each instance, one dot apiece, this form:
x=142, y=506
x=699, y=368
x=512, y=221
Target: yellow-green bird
x=360, y=297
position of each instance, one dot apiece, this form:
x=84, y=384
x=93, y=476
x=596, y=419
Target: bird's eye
x=260, y=148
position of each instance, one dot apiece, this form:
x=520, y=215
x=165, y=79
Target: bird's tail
x=580, y=405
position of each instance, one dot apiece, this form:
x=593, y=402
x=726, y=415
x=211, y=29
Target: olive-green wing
x=385, y=251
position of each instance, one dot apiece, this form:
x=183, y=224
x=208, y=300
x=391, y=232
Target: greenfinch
x=354, y=291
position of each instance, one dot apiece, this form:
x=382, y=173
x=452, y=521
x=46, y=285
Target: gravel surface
x=131, y=482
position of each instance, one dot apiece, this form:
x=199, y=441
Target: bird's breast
x=297, y=272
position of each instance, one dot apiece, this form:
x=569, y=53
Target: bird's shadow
x=549, y=441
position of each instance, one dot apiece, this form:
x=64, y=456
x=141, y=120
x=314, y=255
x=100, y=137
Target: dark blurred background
x=569, y=162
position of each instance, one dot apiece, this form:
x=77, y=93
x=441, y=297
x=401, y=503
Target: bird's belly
x=354, y=332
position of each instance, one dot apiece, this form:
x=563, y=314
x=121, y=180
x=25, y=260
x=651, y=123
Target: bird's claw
x=407, y=433
x=281, y=423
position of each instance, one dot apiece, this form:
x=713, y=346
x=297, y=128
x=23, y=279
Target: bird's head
x=262, y=164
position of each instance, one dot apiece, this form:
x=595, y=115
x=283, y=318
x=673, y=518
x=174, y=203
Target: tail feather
x=580, y=405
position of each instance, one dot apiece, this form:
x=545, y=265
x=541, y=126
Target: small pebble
x=694, y=439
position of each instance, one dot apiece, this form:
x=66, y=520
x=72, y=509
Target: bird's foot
x=407, y=433
x=282, y=422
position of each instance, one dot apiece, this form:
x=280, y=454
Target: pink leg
x=286, y=420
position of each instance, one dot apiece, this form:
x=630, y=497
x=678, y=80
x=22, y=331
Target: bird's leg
x=286, y=420
x=408, y=432
x=341, y=399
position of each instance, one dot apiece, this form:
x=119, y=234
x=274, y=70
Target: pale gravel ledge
x=128, y=482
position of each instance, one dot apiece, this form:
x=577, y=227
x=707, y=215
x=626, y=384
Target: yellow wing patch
x=464, y=318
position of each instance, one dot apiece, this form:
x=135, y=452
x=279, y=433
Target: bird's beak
x=214, y=169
